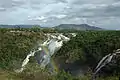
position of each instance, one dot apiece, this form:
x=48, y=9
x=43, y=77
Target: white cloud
x=2, y=9
x=60, y=16
x=40, y=18
x=116, y=4
x=52, y=12
x=44, y=21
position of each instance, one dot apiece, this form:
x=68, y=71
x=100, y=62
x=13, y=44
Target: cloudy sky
x=101, y=13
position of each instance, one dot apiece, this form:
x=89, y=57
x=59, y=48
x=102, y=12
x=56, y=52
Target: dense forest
x=87, y=48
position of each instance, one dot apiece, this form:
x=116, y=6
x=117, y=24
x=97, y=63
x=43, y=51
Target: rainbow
x=52, y=62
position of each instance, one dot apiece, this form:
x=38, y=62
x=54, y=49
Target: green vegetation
x=14, y=46
x=87, y=47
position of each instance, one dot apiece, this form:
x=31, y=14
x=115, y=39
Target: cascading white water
x=104, y=61
x=52, y=44
x=26, y=60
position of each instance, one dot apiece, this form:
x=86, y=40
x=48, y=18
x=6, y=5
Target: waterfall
x=44, y=53
x=26, y=60
x=104, y=61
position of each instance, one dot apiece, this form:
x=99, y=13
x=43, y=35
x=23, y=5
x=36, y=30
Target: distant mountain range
x=16, y=26
x=77, y=27
x=60, y=27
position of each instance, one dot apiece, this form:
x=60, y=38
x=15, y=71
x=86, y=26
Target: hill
x=77, y=27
